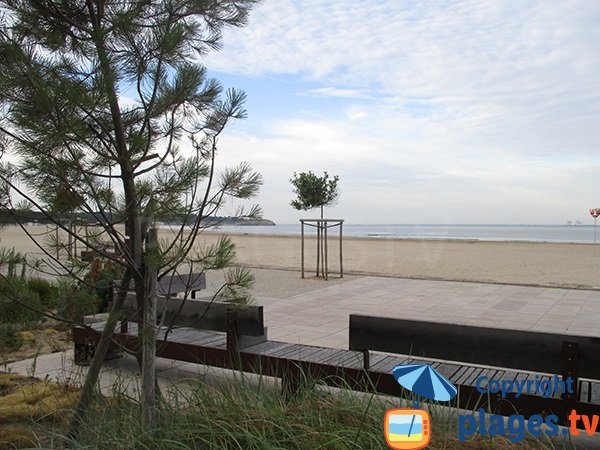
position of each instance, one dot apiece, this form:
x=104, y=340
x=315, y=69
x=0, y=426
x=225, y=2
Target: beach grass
x=236, y=413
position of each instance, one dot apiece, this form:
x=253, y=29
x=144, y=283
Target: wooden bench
x=176, y=284
x=90, y=255
x=237, y=327
x=223, y=335
x=471, y=352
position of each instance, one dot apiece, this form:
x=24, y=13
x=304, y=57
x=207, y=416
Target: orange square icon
x=407, y=428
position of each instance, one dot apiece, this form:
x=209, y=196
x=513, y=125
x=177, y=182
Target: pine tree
x=106, y=110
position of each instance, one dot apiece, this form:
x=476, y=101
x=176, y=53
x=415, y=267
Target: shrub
x=18, y=303
x=47, y=291
x=10, y=339
x=100, y=276
x=76, y=302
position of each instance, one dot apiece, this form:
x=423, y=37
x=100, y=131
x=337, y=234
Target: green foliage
x=10, y=340
x=99, y=280
x=60, y=80
x=238, y=282
x=97, y=99
x=48, y=292
x=77, y=301
x=18, y=302
x=239, y=415
x=313, y=191
x=24, y=301
x=11, y=259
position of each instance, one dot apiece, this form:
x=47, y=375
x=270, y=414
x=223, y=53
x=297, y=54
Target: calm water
x=538, y=233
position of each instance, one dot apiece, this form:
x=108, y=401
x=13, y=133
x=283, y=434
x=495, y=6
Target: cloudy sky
x=430, y=112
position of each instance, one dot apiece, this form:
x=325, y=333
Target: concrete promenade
x=313, y=311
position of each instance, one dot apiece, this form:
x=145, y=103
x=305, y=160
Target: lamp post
x=595, y=212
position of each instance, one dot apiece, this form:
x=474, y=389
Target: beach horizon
x=572, y=265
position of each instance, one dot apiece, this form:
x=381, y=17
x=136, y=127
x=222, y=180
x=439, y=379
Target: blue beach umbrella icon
x=425, y=381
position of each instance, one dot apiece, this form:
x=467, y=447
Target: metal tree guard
x=595, y=212
x=322, y=225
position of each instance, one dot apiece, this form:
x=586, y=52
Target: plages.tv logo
x=407, y=428
x=410, y=428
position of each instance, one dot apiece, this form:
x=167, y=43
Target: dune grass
x=230, y=414
x=251, y=414
x=31, y=410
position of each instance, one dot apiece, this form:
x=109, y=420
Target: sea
x=530, y=233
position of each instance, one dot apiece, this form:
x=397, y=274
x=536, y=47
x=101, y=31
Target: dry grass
x=26, y=405
x=37, y=342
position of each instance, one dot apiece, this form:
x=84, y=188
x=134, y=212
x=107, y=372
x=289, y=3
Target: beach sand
x=529, y=263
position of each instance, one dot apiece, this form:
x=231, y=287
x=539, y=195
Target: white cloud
x=475, y=102
x=335, y=92
x=416, y=184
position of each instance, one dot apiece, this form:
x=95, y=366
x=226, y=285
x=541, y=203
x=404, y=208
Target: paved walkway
x=316, y=312
x=320, y=317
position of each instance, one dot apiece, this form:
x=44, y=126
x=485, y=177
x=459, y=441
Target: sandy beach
x=530, y=263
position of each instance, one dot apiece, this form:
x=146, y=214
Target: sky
x=482, y=112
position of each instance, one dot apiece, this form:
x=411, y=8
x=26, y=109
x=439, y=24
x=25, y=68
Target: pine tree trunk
x=148, y=338
x=87, y=391
x=133, y=269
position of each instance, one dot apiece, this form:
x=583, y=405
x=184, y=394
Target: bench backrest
x=181, y=283
x=175, y=284
x=527, y=350
x=204, y=315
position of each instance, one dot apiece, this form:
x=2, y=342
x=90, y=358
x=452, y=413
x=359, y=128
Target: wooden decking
x=338, y=367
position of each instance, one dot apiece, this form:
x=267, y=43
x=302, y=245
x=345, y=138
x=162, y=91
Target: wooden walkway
x=344, y=368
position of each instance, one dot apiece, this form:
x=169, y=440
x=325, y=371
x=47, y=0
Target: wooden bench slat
x=184, y=335
x=305, y=353
x=387, y=364
x=330, y=356
x=517, y=349
x=458, y=374
x=351, y=361
x=315, y=354
x=285, y=352
x=584, y=391
x=204, y=339
x=447, y=369
x=595, y=392
x=472, y=379
x=262, y=348
x=278, y=348
x=469, y=374
x=175, y=284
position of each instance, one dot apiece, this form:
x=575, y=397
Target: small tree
x=98, y=103
x=313, y=191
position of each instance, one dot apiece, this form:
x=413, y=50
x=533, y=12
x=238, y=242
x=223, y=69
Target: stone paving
x=321, y=317
x=317, y=313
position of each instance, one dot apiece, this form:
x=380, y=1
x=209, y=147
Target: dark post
x=341, y=259
x=569, y=356
x=318, y=245
x=302, y=246
x=322, y=226
x=325, y=259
